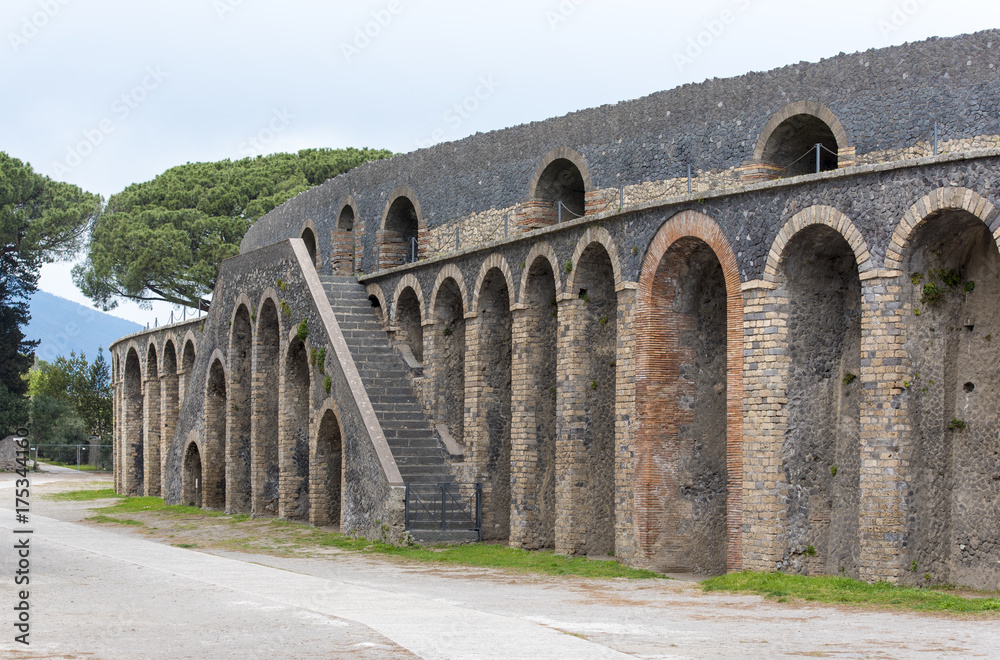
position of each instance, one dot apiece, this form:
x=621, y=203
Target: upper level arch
x=347, y=214
x=308, y=235
x=562, y=176
x=399, y=232
x=796, y=129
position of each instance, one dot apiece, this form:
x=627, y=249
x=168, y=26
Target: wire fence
x=80, y=456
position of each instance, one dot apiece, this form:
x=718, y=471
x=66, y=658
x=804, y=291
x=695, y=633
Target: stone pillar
x=523, y=455
x=476, y=434
x=151, y=426
x=572, y=473
x=765, y=420
x=169, y=412
x=884, y=427
x=624, y=436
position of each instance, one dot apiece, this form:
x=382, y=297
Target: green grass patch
x=155, y=504
x=187, y=546
x=846, y=591
x=82, y=468
x=495, y=556
x=84, y=495
x=116, y=521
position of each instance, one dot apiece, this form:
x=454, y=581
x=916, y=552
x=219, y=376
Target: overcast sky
x=105, y=93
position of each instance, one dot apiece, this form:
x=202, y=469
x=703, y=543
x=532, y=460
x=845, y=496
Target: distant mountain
x=65, y=326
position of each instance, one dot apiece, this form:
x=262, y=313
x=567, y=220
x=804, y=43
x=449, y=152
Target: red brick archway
x=660, y=405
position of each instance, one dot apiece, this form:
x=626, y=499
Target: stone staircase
x=415, y=446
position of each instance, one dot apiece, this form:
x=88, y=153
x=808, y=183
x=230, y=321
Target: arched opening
x=377, y=309
x=563, y=182
x=265, y=412
x=343, y=242
x=495, y=354
x=681, y=401
x=187, y=366
x=821, y=453
x=238, y=458
x=214, y=491
x=133, y=459
x=534, y=477
x=192, y=482
x=792, y=146
x=449, y=359
x=294, y=437
x=952, y=271
x=399, y=235
x=327, y=472
x=587, y=471
x=309, y=238
x=170, y=409
x=151, y=425
x=409, y=329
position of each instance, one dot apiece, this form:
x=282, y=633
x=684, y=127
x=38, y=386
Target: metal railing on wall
x=444, y=507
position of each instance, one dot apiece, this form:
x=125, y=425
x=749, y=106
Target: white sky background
x=226, y=68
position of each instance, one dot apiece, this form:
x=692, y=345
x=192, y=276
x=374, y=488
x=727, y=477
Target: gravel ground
x=102, y=591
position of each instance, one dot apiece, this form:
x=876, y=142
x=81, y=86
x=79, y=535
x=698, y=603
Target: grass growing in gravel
x=495, y=556
x=83, y=467
x=841, y=590
x=305, y=537
x=116, y=521
x=84, y=495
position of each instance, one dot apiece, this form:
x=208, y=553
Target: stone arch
x=491, y=373
x=170, y=398
x=401, y=223
x=343, y=236
x=540, y=250
x=689, y=383
x=214, y=444
x=309, y=236
x=818, y=215
x=818, y=293
x=499, y=262
x=445, y=342
x=793, y=130
x=327, y=465
x=151, y=422
x=408, y=315
x=952, y=198
x=379, y=307
x=585, y=445
x=561, y=176
x=294, y=431
x=950, y=451
x=133, y=472
x=449, y=271
x=265, y=473
x=192, y=476
x=535, y=381
x=595, y=235
x=238, y=441
x=188, y=357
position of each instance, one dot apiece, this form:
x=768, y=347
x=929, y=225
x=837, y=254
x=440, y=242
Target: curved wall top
x=881, y=97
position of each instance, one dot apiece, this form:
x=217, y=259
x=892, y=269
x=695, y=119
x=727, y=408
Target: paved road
x=103, y=593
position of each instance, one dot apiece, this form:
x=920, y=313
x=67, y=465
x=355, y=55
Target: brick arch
x=544, y=250
x=817, y=215
x=151, y=345
x=347, y=201
x=272, y=295
x=693, y=224
x=604, y=238
x=956, y=198
x=410, y=194
x=408, y=280
x=449, y=271
x=244, y=301
x=495, y=260
x=561, y=153
x=217, y=354
x=321, y=489
x=813, y=108
x=374, y=289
